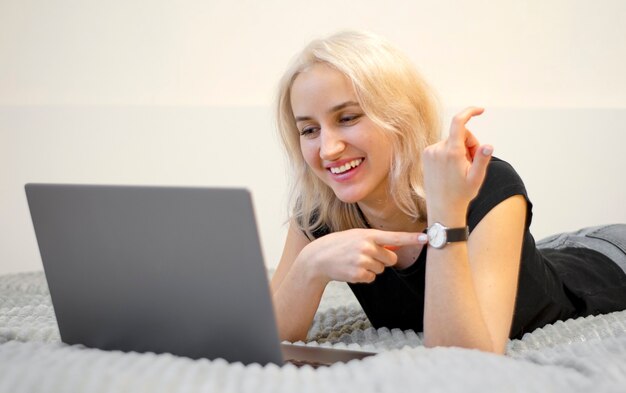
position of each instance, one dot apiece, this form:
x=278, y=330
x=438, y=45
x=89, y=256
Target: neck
x=385, y=215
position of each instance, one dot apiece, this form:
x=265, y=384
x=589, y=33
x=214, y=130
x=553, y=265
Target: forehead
x=320, y=87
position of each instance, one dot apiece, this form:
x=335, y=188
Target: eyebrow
x=331, y=110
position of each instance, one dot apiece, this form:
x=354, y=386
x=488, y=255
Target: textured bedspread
x=587, y=354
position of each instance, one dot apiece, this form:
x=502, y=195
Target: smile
x=346, y=167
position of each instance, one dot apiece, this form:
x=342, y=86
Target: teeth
x=346, y=166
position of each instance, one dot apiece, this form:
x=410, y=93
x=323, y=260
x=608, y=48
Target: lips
x=345, y=167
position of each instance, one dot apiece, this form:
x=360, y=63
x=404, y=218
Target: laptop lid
x=156, y=269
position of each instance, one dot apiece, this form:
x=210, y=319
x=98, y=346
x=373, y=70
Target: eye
x=349, y=118
x=309, y=131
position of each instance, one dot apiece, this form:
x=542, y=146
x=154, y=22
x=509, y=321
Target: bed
x=585, y=354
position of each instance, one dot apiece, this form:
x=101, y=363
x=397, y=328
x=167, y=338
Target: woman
x=431, y=235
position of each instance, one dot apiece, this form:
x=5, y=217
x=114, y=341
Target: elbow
x=484, y=346
x=293, y=337
x=291, y=333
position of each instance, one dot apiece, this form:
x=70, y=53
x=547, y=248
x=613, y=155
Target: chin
x=348, y=197
x=348, y=200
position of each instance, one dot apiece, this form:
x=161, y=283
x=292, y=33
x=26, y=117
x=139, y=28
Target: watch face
x=437, y=235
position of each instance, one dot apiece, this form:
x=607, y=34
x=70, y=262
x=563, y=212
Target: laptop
x=162, y=269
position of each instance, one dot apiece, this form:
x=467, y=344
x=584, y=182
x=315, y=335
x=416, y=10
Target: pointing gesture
x=455, y=168
x=357, y=255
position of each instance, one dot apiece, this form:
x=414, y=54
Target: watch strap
x=457, y=234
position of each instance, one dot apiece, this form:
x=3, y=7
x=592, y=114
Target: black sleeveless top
x=553, y=284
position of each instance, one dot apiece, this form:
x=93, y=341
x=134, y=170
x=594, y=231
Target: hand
x=454, y=169
x=356, y=255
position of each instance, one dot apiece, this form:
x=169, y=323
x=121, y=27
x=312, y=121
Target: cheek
x=384, y=144
x=309, y=153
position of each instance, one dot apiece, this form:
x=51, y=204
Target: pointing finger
x=457, y=128
x=391, y=240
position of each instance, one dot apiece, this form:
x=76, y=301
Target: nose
x=331, y=144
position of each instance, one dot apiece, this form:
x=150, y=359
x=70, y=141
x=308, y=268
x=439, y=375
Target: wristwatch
x=439, y=236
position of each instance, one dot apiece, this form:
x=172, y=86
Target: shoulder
x=501, y=173
x=501, y=182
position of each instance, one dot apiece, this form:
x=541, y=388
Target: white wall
x=160, y=92
x=231, y=52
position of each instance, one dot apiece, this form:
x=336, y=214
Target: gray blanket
x=586, y=354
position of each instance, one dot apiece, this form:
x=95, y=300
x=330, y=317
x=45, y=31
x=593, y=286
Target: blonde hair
x=394, y=96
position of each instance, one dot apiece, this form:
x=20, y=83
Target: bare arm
x=470, y=287
x=296, y=294
x=355, y=255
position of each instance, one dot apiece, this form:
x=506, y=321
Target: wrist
x=439, y=235
x=307, y=268
x=451, y=218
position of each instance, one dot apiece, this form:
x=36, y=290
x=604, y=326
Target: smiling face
x=339, y=143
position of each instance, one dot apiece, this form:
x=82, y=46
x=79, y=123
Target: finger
x=398, y=239
x=365, y=276
x=382, y=255
x=478, y=169
x=376, y=267
x=466, y=114
x=385, y=256
x=471, y=144
x=457, y=128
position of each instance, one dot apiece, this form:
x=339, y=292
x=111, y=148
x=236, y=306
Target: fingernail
x=423, y=238
x=487, y=150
